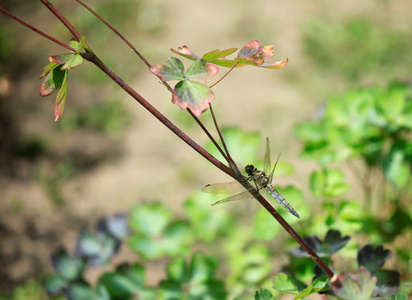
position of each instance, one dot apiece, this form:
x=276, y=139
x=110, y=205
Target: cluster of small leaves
x=91, y=249
x=188, y=93
x=56, y=75
x=370, y=280
x=371, y=123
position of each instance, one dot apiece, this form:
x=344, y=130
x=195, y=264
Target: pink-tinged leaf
x=68, y=60
x=176, y=72
x=200, y=70
x=257, y=55
x=60, y=59
x=275, y=65
x=74, y=61
x=47, y=69
x=61, y=98
x=218, y=54
x=77, y=45
x=52, y=82
x=194, y=95
x=185, y=52
x=357, y=286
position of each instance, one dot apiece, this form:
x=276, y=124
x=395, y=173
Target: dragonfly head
x=249, y=169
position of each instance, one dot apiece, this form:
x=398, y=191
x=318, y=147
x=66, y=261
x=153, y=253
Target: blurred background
x=107, y=154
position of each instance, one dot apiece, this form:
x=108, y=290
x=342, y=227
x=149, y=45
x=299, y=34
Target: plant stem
x=227, y=73
x=36, y=30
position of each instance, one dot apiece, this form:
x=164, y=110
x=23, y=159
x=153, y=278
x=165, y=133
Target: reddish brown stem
x=36, y=30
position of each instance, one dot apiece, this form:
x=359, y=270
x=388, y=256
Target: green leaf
x=192, y=94
x=177, y=238
x=61, y=97
x=216, y=54
x=54, y=284
x=395, y=166
x=285, y=283
x=399, y=296
x=317, y=285
x=150, y=219
x=53, y=79
x=263, y=294
x=119, y=286
x=147, y=247
x=81, y=291
x=200, y=70
x=328, y=183
x=201, y=268
x=175, y=72
x=205, y=225
x=67, y=267
x=178, y=271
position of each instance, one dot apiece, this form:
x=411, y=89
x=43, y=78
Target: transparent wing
x=241, y=196
x=273, y=170
x=267, y=164
x=230, y=187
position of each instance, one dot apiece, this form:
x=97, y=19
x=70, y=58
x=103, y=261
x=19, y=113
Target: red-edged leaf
x=52, y=82
x=254, y=54
x=68, y=60
x=200, y=70
x=275, y=65
x=47, y=69
x=60, y=59
x=194, y=95
x=61, y=97
x=175, y=72
x=218, y=54
x=185, y=52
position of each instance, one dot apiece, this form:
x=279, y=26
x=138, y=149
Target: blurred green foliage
x=358, y=47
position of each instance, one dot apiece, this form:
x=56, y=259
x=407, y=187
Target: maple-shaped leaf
x=251, y=54
x=187, y=92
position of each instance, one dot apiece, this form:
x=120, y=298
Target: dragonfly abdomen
x=275, y=194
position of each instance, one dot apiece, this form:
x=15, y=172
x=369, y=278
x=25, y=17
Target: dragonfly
x=262, y=180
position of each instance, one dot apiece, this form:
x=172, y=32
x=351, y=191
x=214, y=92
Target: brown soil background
x=147, y=162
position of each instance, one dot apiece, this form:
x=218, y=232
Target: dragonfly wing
x=230, y=187
x=267, y=164
x=241, y=196
x=273, y=170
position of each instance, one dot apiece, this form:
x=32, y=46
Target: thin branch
x=208, y=134
x=3, y=10
x=62, y=19
x=227, y=73
x=121, y=36
x=227, y=156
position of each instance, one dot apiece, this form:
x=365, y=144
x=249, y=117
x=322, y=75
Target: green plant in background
x=357, y=47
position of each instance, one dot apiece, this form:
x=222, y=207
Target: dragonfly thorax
x=249, y=169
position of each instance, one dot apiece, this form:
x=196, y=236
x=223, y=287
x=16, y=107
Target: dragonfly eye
x=249, y=169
